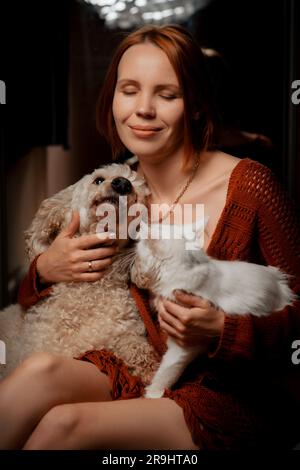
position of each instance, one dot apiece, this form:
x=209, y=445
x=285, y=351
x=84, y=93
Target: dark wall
x=260, y=42
x=250, y=35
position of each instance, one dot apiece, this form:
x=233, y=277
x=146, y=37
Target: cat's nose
x=121, y=185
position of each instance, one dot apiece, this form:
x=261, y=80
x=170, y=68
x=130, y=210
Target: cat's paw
x=154, y=392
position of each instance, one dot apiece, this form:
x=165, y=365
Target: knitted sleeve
x=30, y=291
x=278, y=230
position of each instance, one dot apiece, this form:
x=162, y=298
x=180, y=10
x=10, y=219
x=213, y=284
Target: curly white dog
x=84, y=315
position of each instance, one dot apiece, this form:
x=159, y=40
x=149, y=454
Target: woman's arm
x=269, y=339
x=248, y=339
x=31, y=290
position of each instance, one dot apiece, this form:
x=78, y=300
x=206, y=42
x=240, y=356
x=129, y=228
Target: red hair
x=189, y=64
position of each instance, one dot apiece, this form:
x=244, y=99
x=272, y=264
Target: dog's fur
x=79, y=316
x=236, y=287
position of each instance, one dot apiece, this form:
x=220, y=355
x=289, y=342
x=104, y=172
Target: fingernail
x=101, y=235
x=177, y=291
x=105, y=235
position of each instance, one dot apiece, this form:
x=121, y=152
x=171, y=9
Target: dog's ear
x=142, y=190
x=52, y=216
x=145, y=191
x=138, y=182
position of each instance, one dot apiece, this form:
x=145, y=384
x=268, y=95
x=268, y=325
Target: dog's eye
x=98, y=180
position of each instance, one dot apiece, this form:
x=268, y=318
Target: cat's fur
x=237, y=287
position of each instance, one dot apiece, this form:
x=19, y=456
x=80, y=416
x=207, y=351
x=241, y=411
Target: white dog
x=162, y=265
x=79, y=316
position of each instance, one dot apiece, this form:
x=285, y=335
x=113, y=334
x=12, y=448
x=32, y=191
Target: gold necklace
x=182, y=192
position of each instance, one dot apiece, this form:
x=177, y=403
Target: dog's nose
x=121, y=185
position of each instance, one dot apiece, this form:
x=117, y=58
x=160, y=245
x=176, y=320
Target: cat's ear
x=200, y=224
x=199, y=233
x=199, y=230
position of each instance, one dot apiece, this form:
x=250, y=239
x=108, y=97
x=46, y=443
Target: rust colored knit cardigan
x=253, y=361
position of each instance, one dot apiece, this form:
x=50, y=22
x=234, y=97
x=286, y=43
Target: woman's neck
x=166, y=176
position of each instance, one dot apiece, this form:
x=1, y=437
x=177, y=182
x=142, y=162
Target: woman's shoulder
x=230, y=162
x=241, y=172
x=252, y=181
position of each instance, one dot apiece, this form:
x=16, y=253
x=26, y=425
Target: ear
x=52, y=216
x=143, y=192
x=132, y=160
x=200, y=224
x=199, y=230
x=141, y=189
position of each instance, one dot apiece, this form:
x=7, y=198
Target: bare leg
x=126, y=424
x=39, y=383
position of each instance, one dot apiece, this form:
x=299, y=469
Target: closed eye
x=168, y=97
x=173, y=97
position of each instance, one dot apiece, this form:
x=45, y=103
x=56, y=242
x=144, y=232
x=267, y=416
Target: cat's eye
x=98, y=180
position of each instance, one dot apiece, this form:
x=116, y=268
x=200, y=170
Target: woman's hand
x=192, y=321
x=68, y=258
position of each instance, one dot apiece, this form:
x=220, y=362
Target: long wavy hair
x=189, y=64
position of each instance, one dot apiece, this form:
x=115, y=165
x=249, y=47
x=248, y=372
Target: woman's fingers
x=191, y=321
x=172, y=320
x=87, y=241
x=180, y=313
x=191, y=300
x=93, y=273
x=170, y=330
x=93, y=260
x=72, y=228
x=94, y=265
x=97, y=253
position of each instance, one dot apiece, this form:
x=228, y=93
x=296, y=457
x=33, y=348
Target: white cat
x=237, y=287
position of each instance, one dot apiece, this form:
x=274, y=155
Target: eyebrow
x=130, y=81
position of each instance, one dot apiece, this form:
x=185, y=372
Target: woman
x=155, y=102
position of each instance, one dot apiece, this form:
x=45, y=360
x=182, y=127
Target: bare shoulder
x=225, y=160
x=216, y=165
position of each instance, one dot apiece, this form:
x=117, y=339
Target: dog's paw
x=154, y=392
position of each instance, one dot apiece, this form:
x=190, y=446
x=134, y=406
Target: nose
x=145, y=107
x=121, y=185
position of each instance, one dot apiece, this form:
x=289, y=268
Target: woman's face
x=148, y=103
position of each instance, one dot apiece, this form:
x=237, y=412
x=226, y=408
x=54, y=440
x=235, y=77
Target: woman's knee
x=54, y=429
x=41, y=364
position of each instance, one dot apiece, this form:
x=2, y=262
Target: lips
x=145, y=131
x=145, y=128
